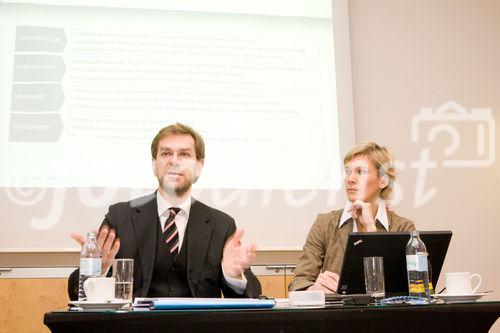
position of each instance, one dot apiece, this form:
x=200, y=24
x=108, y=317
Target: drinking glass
x=374, y=276
x=123, y=272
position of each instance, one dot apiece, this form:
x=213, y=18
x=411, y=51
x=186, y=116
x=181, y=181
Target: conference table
x=464, y=317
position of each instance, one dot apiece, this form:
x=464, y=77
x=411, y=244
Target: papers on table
x=98, y=306
x=297, y=300
x=307, y=299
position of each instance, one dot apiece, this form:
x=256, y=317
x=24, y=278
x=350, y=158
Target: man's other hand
x=109, y=244
x=237, y=257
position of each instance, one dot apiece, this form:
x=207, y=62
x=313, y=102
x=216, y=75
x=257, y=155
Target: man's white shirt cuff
x=238, y=285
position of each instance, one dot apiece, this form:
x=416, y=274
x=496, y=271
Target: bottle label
x=416, y=262
x=90, y=266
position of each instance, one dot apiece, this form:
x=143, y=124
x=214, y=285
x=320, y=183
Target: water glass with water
x=123, y=272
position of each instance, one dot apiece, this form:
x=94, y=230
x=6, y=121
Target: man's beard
x=178, y=191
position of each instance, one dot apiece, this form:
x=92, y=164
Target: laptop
x=391, y=246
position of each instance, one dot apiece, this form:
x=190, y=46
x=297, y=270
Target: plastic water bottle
x=416, y=265
x=90, y=262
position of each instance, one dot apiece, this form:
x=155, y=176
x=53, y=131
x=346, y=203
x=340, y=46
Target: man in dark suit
x=181, y=247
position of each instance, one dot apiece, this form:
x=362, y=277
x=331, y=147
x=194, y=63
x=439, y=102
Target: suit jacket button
x=171, y=289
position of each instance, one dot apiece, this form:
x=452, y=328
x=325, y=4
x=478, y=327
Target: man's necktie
x=170, y=231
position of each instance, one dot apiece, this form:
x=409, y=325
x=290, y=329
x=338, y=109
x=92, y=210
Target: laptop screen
x=392, y=247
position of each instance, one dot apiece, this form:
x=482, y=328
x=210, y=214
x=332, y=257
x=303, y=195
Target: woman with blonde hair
x=369, y=180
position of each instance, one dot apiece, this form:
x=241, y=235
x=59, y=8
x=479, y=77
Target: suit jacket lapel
x=344, y=231
x=145, y=223
x=199, y=232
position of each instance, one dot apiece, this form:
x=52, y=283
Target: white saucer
x=459, y=298
x=100, y=306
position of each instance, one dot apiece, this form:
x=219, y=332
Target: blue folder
x=210, y=303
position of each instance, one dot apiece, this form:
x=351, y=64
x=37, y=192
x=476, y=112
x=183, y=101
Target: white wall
x=413, y=54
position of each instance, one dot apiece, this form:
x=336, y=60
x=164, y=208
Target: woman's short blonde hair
x=382, y=157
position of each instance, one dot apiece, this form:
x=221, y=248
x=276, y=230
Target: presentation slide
x=86, y=85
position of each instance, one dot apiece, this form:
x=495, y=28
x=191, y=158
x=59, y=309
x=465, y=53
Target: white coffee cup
x=460, y=283
x=100, y=289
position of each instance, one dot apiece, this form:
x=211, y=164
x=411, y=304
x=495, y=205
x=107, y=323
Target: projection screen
x=86, y=85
